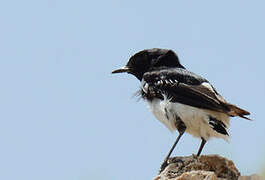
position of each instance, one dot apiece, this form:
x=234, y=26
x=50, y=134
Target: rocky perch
x=205, y=167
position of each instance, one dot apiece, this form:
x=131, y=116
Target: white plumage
x=195, y=119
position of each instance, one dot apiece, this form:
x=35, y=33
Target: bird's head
x=148, y=60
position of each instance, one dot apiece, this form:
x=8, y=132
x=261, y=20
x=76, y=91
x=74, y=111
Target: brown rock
x=197, y=175
x=208, y=167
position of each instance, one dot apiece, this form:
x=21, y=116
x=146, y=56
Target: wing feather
x=188, y=88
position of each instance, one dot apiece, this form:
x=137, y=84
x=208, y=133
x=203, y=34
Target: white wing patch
x=145, y=86
x=208, y=86
x=161, y=82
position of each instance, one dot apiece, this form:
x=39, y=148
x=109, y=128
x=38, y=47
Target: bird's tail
x=236, y=111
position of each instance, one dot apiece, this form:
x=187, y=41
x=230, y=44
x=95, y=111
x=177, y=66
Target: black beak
x=121, y=70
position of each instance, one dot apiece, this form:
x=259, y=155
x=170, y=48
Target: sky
x=65, y=116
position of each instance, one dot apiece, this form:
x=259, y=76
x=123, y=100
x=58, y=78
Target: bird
x=180, y=99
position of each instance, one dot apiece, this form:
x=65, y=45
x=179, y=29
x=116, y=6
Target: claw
x=163, y=166
x=178, y=161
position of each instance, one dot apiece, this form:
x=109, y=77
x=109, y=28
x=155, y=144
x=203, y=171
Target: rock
x=205, y=167
x=197, y=175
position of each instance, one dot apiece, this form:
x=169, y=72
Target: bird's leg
x=201, y=147
x=181, y=127
x=165, y=163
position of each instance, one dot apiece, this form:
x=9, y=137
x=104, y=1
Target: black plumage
x=218, y=125
x=184, y=87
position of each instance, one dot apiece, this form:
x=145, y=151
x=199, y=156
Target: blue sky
x=64, y=116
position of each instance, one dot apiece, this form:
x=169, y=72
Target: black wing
x=183, y=86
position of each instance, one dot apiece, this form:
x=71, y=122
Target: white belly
x=195, y=119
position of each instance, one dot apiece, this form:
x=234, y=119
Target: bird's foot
x=165, y=163
x=163, y=166
x=195, y=156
